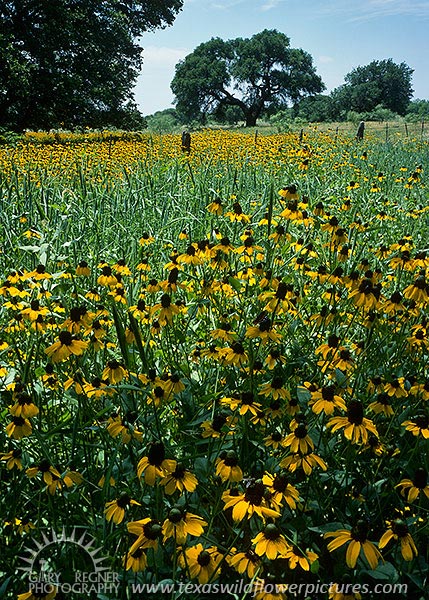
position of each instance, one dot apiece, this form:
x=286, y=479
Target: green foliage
x=417, y=110
x=228, y=115
x=283, y=119
x=382, y=83
x=379, y=113
x=250, y=74
x=67, y=64
x=164, y=121
x=315, y=109
x=8, y=137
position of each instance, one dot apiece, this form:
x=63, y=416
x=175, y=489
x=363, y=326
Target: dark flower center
x=173, y=275
x=204, y=558
x=76, y=313
x=175, y=515
x=383, y=399
x=277, y=383
x=218, y=422
x=113, y=364
x=396, y=297
x=179, y=472
x=65, y=338
x=24, y=399
x=156, y=454
x=265, y=324
x=333, y=341
x=231, y=459
x=152, y=530
x=366, y=287
x=328, y=393
x=301, y=431
x=237, y=348
x=282, y=290
x=271, y=532
x=165, y=301
x=422, y=421
x=247, y=398
x=400, y=528
x=255, y=493
x=44, y=466
x=280, y=483
x=420, y=478
x=355, y=412
x=420, y=283
x=123, y=501
x=360, y=531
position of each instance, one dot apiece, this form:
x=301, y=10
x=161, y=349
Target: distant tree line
x=74, y=63
x=247, y=79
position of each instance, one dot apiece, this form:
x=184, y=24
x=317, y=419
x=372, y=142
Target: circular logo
x=40, y=556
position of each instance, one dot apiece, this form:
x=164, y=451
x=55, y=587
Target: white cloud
x=324, y=60
x=163, y=56
x=269, y=4
x=226, y=4
x=371, y=9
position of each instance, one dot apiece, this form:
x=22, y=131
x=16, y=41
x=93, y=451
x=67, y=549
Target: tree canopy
x=73, y=62
x=381, y=83
x=250, y=74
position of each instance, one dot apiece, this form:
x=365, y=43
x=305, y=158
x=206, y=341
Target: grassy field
x=213, y=365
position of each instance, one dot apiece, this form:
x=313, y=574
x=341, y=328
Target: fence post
x=360, y=131
x=406, y=129
x=387, y=131
x=186, y=141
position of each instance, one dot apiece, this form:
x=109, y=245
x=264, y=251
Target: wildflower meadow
x=214, y=365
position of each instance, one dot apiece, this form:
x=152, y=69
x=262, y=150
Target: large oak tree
x=73, y=62
x=250, y=73
x=380, y=83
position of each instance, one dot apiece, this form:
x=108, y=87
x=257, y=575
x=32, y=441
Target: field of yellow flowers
x=214, y=366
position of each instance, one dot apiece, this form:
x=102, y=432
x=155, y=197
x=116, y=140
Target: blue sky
x=340, y=35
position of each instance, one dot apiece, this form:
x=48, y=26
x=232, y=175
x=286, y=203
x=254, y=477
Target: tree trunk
x=250, y=119
x=252, y=113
